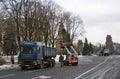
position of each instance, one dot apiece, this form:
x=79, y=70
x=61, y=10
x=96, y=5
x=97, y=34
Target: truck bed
x=49, y=52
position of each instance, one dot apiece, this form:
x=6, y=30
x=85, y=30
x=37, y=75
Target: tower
x=109, y=43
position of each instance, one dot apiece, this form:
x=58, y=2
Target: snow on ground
x=8, y=66
x=82, y=60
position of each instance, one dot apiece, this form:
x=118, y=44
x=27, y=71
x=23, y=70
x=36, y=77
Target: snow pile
x=2, y=67
x=10, y=66
x=57, y=58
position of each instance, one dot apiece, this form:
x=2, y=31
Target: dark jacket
x=61, y=58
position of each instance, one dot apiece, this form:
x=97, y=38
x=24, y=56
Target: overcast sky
x=100, y=17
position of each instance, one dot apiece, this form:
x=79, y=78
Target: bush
x=2, y=61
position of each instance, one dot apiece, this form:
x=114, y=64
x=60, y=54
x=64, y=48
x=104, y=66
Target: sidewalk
x=8, y=64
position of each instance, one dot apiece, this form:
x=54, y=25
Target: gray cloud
x=100, y=17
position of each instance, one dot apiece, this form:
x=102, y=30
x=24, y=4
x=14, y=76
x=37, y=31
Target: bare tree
x=24, y=15
x=73, y=25
x=13, y=9
x=28, y=19
x=55, y=17
x=76, y=28
x=2, y=22
x=40, y=20
x=9, y=38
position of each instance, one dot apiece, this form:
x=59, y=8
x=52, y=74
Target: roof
x=31, y=44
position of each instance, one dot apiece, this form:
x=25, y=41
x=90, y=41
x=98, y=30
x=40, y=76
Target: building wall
x=58, y=47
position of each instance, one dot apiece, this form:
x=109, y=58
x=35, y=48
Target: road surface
x=92, y=67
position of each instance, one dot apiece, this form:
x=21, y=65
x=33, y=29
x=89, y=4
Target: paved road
x=82, y=71
x=109, y=69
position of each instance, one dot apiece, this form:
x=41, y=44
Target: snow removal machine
x=71, y=55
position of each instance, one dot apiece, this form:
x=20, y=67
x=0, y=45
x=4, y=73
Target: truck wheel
x=73, y=64
x=53, y=63
x=76, y=64
x=23, y=68
x=40, y=66
x=67, y=63
x=64, y=63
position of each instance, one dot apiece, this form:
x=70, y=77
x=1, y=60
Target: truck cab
x=30, y=54
x=106, y=52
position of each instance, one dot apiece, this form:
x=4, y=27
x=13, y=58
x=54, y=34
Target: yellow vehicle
x=74, y=60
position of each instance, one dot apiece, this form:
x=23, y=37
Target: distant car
x=106, y=52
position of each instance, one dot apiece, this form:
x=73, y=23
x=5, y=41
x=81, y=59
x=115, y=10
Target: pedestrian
x=61, y=58
x=12, y=59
